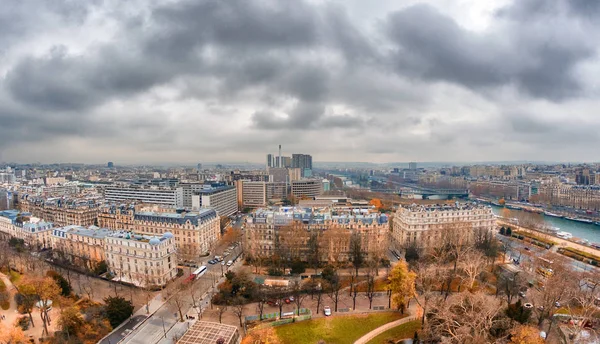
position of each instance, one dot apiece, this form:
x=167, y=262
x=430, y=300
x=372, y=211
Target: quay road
x=163, y=324
x=517, y=250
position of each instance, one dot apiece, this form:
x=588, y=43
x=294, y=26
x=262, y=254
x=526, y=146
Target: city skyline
x=170, y=82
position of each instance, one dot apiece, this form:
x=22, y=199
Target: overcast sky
x=192, y=81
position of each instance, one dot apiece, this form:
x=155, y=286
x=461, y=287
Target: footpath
x=413, y=312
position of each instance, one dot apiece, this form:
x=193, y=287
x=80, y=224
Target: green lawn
x=403, y=331
x=333, y=330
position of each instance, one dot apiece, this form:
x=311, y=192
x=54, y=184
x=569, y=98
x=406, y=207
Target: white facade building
x=172, y=197
x=425, y=225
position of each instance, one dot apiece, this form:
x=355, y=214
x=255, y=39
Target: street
x=163, y=325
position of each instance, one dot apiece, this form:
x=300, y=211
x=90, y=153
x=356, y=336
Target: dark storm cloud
x=432, y=45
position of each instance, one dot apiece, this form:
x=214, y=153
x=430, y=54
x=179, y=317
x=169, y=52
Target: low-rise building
x=204, y=332
x=427, y=226
x=62, y=211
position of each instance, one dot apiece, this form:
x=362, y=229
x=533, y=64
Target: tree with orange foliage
x=376, y=202
x=526, y=335
x=502, y=201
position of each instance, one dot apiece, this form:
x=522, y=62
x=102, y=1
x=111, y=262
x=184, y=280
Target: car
x=223, y=263
x=291, y=299
x=557, y=304
x=212, y=261
x=522, y=294
x=327, y=311
x=527, y=249
x=273, y=303
x=230, y=263
x=287, y=300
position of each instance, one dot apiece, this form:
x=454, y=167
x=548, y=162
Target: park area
x=406, y=330
x=332, y=330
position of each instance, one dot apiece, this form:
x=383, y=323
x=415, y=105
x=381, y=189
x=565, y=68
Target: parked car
x=291, y=299
x=230, y=263
x=273, y=303
x=527, y=249
x=287, y=300
x=327, y=311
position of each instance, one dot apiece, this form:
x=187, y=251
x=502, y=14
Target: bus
x=199, y=272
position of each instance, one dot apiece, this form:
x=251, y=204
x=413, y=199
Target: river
x=579, y=230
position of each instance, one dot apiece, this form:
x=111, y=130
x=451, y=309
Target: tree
x=100, y=268
x=466, y=318
x=118, y=310
x=176, y=296
x=356, y=251
x=334, y=289
x=509, y=284
x=472, y=266
x=518, y=313
x=238, y=309
x=370, y=285
x=328, y=273
x=526, y=335
x=221, y=310
x=26, y=299
x=12, y=335
x=402, y=284
x=47, y=291
x=70, y=321
x=425, y=283
x=299, y=294
x=65, y=286
x=314, y=252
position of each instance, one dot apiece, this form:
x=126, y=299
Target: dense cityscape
x=169, y=254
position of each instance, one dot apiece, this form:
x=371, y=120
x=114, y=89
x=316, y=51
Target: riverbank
x=561, y=242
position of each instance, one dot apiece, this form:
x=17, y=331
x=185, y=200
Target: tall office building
x=412, y=166
x=110, y=164
x=302, y=161
x=269, y=160
x=199, y=167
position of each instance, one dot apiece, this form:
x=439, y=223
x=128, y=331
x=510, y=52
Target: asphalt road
x=115, y=337
x=158, y=327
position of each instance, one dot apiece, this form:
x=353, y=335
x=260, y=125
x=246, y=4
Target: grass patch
x=14, y=277
x=333, y=330
x=403, y=331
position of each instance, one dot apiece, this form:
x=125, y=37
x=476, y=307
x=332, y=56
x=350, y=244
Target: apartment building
x=251, y=194
x=35, y=232
x=62, y=211
x=576, y=196
x=80, y=246
x=293, y=233
x=195, y=233
x=307, y=188
x=222, y=198
x=427, y=226
x=141, y=260
x=166, y=196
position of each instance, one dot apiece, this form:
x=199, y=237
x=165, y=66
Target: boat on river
x=547, y=213
x=564, y=235
x=578, y=219
x=513, y=207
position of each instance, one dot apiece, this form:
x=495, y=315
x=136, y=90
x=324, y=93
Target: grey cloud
x=286, y=71
x=433, y=46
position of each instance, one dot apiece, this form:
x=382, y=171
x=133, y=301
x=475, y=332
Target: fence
x=306, y=314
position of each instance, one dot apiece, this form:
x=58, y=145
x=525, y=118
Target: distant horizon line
x=210, y=163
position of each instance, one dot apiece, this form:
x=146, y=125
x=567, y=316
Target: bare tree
x=238, y=309
x=299, y=293
x=176, y=296
x=370, y=282
x=464, y=318
x=425, y=284
x=221, y=310
x=472, y=265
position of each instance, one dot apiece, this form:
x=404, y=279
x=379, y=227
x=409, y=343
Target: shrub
x=23, y=323
x=275, y=272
